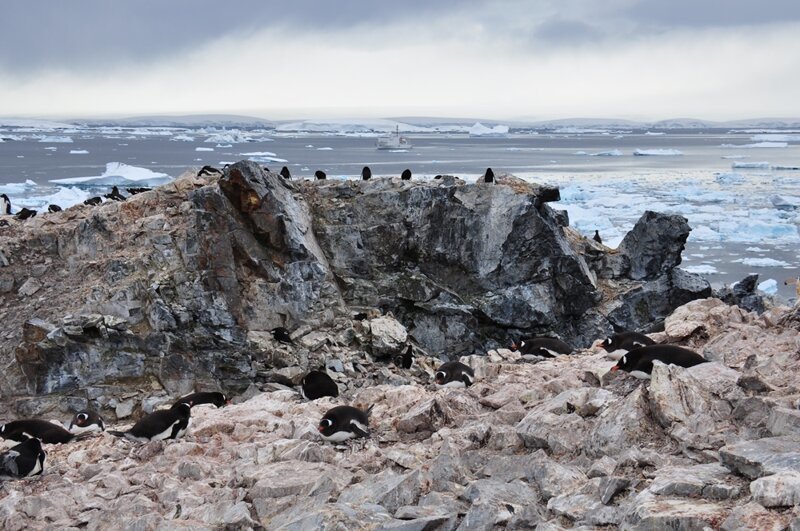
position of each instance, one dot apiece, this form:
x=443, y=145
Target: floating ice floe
x=182, y=138
x=653, y=133
x=729, y=178
x=762, y=262
x=756, y=145
x=762, y=165
x=325, y=149
x=702, y=269
x=224, y=146
x=203, y=149
x=118, y=173
x=229, y=137
x=78, y=152
x=775, y=138
x=769, y=286
x=611, y=153
x=784, y=202
x=756, y=250
x=56, y=140
x=735, y=157
x=785, y=168
x=262, y=156
x=657, y=152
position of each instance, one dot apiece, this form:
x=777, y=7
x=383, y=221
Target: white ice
x=119, y=173
x=769, y=286
x=775, y=138
x=657, y=152
x=56, y=140
x=752, y=165
x=702, y=269
x=78, y=152
x=612, y=153
x=203, y=149
x=182, y=138
x=762, y=262
x=481, y=130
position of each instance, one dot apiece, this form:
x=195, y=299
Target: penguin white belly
x=91, y=428
x=164, y=434
x=456, y=384
x=616, y=354
x=182, y=432
x=36, y=469
x=640, y=374
x=339, y=436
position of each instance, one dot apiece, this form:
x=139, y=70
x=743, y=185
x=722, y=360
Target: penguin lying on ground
x=639, y=362
x=208, y=170
x=548, y=347
x=25, y=213
x=159, y=425
x=317, y=384
x=53, y=208
x=205, y=397
x=44, y=430
x=93, y=201
x=344, y=422
x=86, y=421
x=115, y=195
x=625, y=341
x=137, y=190
x=454, y=374
x=282, y=334
x=23, y=460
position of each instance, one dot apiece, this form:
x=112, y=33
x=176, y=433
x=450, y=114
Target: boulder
x=654, y=245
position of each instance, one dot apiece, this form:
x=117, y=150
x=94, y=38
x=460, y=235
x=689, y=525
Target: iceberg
x=775, y=138
x=702, y=269
x=118, y=173
x=751, y=165
x=182, y=138
x=203, y=149
x=762, y=262
x=769, y=286
x=481, y=130
x=229, y=137
x=657, y=152
x=56, y=140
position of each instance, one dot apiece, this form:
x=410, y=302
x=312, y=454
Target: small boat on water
x=394, y=141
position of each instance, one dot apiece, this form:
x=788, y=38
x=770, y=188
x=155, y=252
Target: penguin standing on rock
x=597, y=237
x=115, y=195
x=488, y=176
x=208, y=397
x=44, y=430
x=159, y=425
x=23, y=460
x=209, y=170
x=53, y=208
x=366, y=173
x=454, y=374
x=86, y=421
x=320, y=175
x=317, y=384
x=285, y=173
x=405, y=360
x=406, y=175
x=5, y=205
x=281, y=334
x=639, y=362
x=344, y=422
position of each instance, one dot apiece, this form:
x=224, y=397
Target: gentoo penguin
x=488, y=176
x=159, y=425
x=454, y=374
x=639, y=362
x=44, y=430
x=266, y=169
x=195, y=399
x=86, y=421
x=4, y=223
x=23, y=460
x=93, y=201
x=438, y=177
x=115, y=195
x=317, y=384
x=405, y=360
x=281, y=334
x=548, y=347
x=406, y=175
x=5, y=205
x=25, y=213
x=626, y=341
x=208, y=170
x=320, y=175
x=344, y=422
x=285, y=173
x=137, y=190
x=366, y=173
x=53, y=208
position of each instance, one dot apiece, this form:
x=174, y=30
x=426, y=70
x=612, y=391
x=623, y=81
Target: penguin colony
x=635, y=354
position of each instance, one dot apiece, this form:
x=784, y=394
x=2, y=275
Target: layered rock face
x=177, y=288
x=558, y=444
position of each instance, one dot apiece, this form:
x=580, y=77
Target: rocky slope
x=557, y=444
x=176, y=289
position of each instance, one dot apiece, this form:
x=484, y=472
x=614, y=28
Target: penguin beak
x=615, y=368
x=320, y=429
x=228, y=402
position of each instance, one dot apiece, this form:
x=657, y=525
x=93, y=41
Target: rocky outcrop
x=176, y=289
x=530, y=445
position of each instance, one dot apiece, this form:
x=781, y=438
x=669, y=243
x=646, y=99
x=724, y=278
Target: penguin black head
x=320, y=175
x=406, y=175
x=285, y=173
x=488, y=176
x=597, y=237
x=85, y=421
x=282, y=334
x=366, y=173
x=454, y=374
x=344, y=422
x=608, y=344
x=208, y=397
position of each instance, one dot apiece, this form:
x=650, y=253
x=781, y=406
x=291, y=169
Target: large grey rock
x=711, y=481
x=650, y=512
x=754, y=516
x=387, y=489
x=585, y=506
x=778, y=490
x=762, y=457
x=784, y=421
x=654, y=245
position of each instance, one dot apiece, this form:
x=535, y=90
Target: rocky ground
x=544, y=444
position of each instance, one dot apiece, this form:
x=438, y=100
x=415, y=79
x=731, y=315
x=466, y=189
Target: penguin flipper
x=359, y=429
x=117, y=433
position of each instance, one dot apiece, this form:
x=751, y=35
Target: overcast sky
x=534, y=59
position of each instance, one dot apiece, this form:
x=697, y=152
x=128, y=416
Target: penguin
x=5, y=206
x=137, y=190
x=320, y=175
x=4, y=223
x=626, y=341
x=53, y=208
x=405, y=360
x=366, y=173
x=285, y=173
x=547, y=347
x=159, y=425
x=317, y=384
x=454, y=374
x=597, y=237
x=115, y=195
x=438, y=177
x=208, y=170
x=281, y=334
x=195, y=399
x=266, y=169
x=25, y=213
x=44, y=430
x=23, y=460
x=488, y=176
x=406, y=175
x=639, y=362
x=86, y=421
x=360, y=316
x=344, y=422
x=93, y=201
